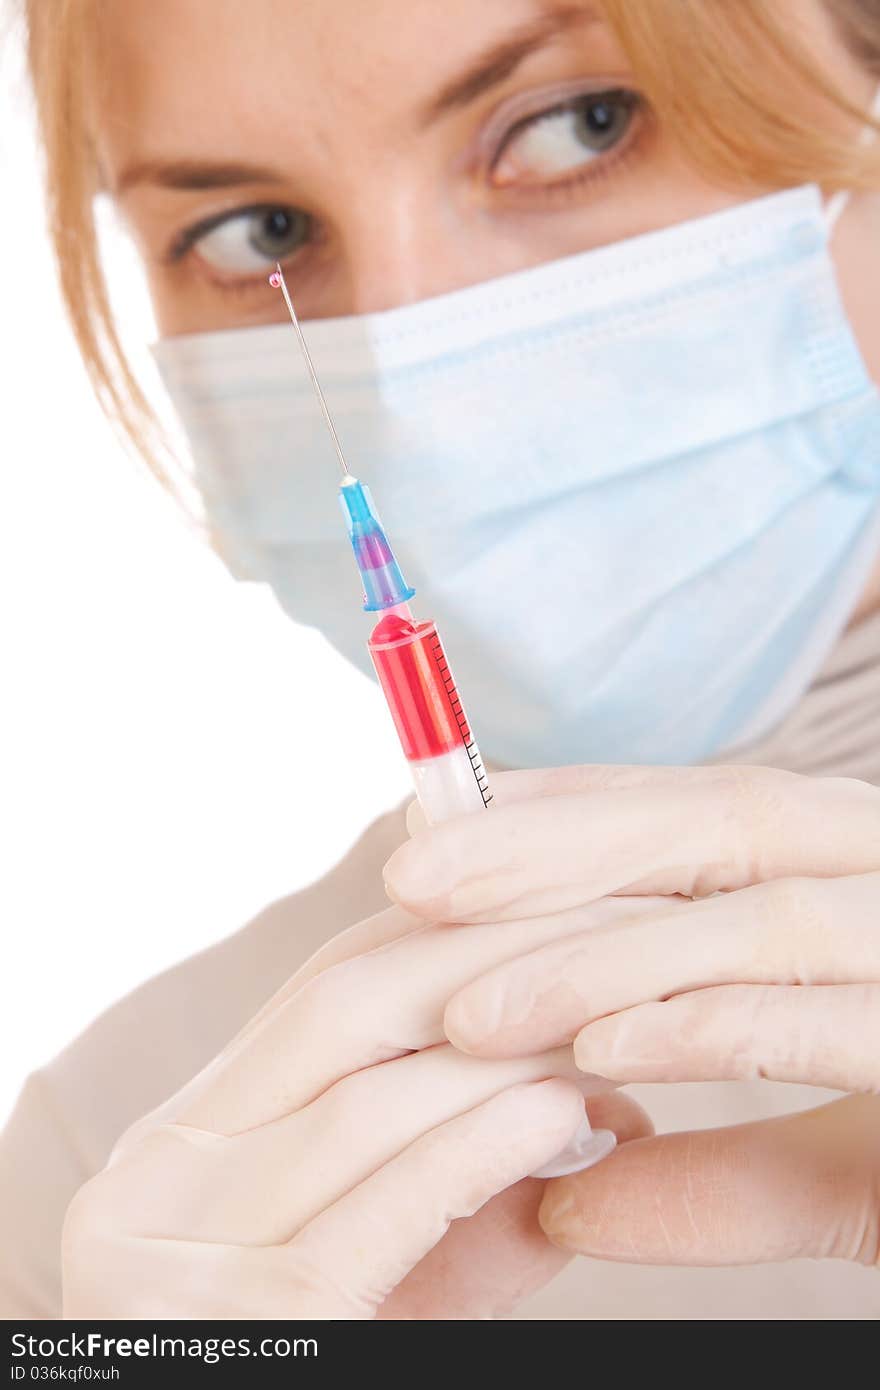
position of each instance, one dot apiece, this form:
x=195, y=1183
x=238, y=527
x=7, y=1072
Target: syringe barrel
x=429, y=717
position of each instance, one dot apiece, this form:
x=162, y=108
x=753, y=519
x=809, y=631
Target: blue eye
x=250, y=240
x=560, y=140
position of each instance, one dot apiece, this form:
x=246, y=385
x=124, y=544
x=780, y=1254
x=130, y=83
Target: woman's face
x=390, y=151
x=383, y=152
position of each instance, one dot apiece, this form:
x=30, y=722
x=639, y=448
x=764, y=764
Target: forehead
x=212, y=74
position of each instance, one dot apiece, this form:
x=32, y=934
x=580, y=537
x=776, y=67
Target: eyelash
x=592, y=171
x=564, y=188
x=186, y=239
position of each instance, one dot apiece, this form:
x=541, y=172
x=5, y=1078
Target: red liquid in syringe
x=428, y=714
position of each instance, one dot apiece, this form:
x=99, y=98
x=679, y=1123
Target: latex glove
x=312, y=1169
x=776, y=975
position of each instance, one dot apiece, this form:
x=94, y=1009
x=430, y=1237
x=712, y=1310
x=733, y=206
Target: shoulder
x=145, y=1047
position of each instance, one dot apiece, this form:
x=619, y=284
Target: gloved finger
x=485, y=1266
x=526, y=784
x=362, y=1011
x=381, y=929
x=354, y=1249
x=825, y=1036
x=366, y=1243
x=306, y=1161
x=703, y=831
x=620, y=1113
x=801, y=1186
x=367, y=935
x=792, y=931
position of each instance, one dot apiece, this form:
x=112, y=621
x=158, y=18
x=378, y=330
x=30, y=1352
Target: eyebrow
x=502, y=59
x=194, y=174
x=489, y=69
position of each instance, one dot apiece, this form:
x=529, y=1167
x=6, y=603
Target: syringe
x=414, y=674
x=408, y=656
x=420, y=692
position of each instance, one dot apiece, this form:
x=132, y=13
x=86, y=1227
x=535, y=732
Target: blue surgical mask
x=638, y=488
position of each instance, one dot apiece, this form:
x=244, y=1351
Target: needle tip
x=276, y=280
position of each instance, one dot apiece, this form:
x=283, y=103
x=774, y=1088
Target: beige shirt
x=144, y=1048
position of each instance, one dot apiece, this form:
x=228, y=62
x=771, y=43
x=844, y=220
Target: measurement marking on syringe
x=460, y=717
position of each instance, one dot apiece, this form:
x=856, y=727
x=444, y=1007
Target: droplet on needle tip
x=276, y=280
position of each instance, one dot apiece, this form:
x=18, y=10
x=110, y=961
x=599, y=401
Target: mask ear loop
x=838, y=201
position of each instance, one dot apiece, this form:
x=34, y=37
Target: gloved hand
x=314, y=1168
x=774, y=971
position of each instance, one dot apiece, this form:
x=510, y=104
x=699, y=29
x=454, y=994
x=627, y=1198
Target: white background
x=165, y=731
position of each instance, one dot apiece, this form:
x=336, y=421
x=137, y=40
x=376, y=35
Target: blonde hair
x=734, y=88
